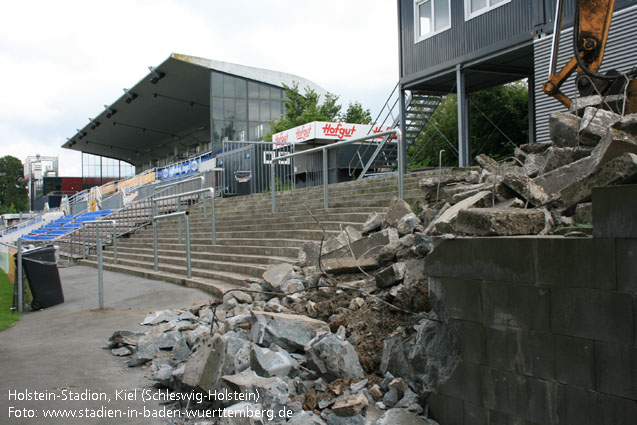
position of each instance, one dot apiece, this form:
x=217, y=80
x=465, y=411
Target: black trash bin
x=242, y=179
x=40, y=268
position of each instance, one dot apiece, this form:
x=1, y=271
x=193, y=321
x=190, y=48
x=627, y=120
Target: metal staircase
x=381, y=156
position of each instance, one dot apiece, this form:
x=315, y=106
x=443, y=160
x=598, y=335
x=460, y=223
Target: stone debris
x=349, y=335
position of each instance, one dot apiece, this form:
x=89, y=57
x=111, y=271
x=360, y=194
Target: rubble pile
x=347, y=335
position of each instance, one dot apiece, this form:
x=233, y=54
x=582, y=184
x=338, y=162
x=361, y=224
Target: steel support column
x=463, y=119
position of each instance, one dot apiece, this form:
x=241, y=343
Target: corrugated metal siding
x=505, y=22
x=620, y=54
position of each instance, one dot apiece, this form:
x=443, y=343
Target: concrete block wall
x=547, y=328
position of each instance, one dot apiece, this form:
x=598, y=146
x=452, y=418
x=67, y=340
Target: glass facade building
x=102, y=168
x=241, y=109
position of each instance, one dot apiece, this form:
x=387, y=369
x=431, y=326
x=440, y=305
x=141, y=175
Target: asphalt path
x=56, y=353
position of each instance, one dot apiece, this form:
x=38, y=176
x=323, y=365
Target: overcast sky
x=61, y=61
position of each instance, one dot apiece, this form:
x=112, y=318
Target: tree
x=499, y=123
x=356, y=114
x=304, y=108
x=13, y=188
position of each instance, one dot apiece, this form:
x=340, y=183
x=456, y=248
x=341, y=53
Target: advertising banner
x=320, y=130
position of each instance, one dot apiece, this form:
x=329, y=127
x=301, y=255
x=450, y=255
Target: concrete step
x=213, y=287
x=274, y=251
x=203, y=229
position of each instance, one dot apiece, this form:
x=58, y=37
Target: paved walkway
x=59, y=349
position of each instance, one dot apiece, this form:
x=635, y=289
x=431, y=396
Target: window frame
x=417, y=35
x=468, y=15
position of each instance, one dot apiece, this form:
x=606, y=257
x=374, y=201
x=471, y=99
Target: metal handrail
x=100, y=261
x=209, y=190
x=325, y=148
x=155, y=253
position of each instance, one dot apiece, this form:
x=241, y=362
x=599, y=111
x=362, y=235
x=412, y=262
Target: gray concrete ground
x=61, y=347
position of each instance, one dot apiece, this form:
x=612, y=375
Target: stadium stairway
x=250, y=237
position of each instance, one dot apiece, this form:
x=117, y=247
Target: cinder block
x=462, y=298
x=626, y=250
x=451, y=258
x=576, y=262
x=585, y=407
x=472, y=342
x=445, y=410
x=475, y=415
x=517, y=306
x=592, y=314
x=465, y=383
x=574, y=361
x=518, y=351
x=521, y=396
x=616, y=369
x=504, y=259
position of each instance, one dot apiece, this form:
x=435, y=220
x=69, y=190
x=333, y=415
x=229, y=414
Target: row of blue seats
x=63, y=225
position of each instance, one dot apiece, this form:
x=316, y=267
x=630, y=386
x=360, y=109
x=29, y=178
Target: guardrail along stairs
x=249, y=236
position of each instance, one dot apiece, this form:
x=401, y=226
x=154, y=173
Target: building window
x=432, y=17
x=473, y=8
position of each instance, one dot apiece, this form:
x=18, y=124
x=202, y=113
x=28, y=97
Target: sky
x=62, y=61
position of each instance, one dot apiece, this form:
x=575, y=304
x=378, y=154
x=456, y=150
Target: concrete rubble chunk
x=526, y=188
x=373, y=223
x=376, y=392
x=333, y=419
x=350, y=405
x=535, y=147
x=579, y=104
x=368, y=246
x=563, y=128
x=345, y=237
x=349, y=265
x=309, y=254
x=240, y=296
x=159, y=317
x=446, y=221
x=168, y=340
x=595, y=123
x=408, y=224
x=500, y=221
x=414, y=245
x=396, y=210
x=442, y=177
x=614, y=143
x=488, y=163
x=146, y=350
x=333, y=358
x=558, y=157
x=426, y=360
x=390, y=275
x=272, y=392
x=123, y=337
x=277, y=274
x=621, y=170
x=553, y=182
x=122, y=351
x=534, y=164
x=181, y=351
x=233, y=415
x=289, y=331
x=215, y=356
x=267, y=362
x=403, y=417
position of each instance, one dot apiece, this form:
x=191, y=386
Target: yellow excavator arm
x=590, y=32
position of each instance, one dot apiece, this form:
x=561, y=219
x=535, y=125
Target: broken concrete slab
x=527, y=189
x=396, y=210
x=409, y=224
x=399, y=416
x=614, y=143
x=444, y=223
x=289, y=331
x=534, y=164
x=345, y=237
x=553, y=182
x=373, y=223
x=628, y=124
x=564, y=127
x=333, y=358
x=368, y=246
x=305, y=418
x=488, y=163
x=240, y=296
x=268, y=362
x=535, y=147
x=621, y=170
x=500, y=221
x=441, y=177
x=273, y=392
x=349, y=265
x=309, y=254
x=558, y=157
x=579, y=104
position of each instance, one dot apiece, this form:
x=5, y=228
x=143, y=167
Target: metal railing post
x=188, y=267
x=205, y=207
x=20, y=278
x=114, y=242
x=71, y=249
x=155, y=243
x=212, y=214
x=179, y=222
x=401, y=170
x=272, y=184
x=84, y=243
x=326, y=182
x=100, y=270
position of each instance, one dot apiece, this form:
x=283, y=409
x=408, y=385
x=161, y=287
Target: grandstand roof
x=168, y=107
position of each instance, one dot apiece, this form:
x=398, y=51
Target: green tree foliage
x=355, y=114
x=13, y=189
x=304, y=108
x=503, y=106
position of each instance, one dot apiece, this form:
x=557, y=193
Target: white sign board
x=320, y=130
